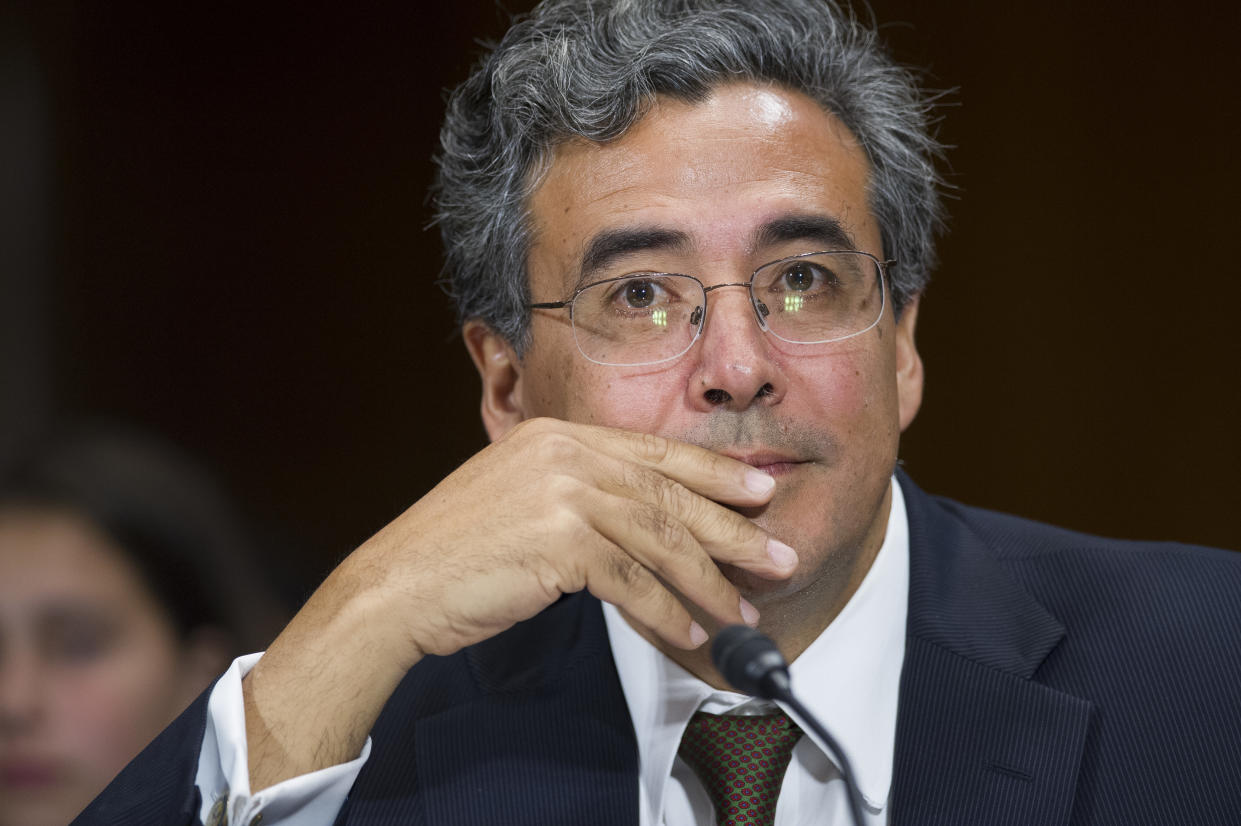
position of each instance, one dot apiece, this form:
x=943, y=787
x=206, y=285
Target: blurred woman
x=126, y=587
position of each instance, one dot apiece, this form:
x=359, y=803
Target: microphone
x=752, y=664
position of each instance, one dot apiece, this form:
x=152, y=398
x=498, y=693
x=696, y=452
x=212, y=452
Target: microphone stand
x=752, y=664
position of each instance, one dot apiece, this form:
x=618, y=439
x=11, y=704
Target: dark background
x=214, y=224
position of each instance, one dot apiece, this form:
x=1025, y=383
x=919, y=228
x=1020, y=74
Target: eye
x=803, y=275
x=78, y=643
x=640, y=293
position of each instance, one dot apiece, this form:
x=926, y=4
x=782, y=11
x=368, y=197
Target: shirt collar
x=849, y=678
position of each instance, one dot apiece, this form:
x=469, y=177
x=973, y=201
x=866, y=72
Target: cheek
x=567, y=386
x=849, y=397
x=113, y=707
x=872, y=372
x=549, y=383
x=851, y=391
x=649, y=402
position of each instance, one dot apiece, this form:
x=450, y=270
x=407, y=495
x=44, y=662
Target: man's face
x=715, y=189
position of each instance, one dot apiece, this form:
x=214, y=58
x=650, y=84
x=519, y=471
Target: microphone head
x=750, y=662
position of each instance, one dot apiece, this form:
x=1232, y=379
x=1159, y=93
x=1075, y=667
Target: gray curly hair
x=592, y=68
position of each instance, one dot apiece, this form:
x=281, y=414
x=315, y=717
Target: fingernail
x=758, y=482
x=697, y=634
x=781, y=554
x=749, y=613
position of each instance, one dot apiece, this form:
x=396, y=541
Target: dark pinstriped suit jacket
x=1050, y=677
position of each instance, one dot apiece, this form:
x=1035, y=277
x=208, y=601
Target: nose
x=19, y=694
x=735, y=367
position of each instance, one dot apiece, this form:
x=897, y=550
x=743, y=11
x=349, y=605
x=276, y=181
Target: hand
x=549, y=509
x=555, y=507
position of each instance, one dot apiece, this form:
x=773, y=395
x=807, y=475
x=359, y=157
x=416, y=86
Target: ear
x=500, y=370
x=908, y=365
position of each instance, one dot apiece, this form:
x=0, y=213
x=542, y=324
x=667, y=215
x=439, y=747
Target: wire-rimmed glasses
x=648, y=317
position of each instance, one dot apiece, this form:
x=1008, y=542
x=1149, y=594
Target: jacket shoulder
x=1081, y=576
x=1015, y=537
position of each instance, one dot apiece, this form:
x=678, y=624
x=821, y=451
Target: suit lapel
x=977, y=740
x=542, y=746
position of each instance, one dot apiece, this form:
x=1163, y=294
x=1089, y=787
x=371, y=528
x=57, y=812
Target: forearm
x=313, y=698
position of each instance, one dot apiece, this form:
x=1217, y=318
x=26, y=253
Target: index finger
x=710, y=474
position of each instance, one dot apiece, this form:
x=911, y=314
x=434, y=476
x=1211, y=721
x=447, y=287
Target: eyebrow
x=824, y=232
x=610, y=245
x=65, y=610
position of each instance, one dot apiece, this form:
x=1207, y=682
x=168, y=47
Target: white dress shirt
x=848, y=678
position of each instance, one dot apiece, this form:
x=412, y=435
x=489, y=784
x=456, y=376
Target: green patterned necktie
x=741, y=761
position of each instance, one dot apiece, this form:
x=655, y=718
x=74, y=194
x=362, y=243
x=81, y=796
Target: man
x=687, y=240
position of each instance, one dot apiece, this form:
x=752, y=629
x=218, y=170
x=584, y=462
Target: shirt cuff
x=223, y=777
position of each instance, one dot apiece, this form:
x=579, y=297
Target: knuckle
x=725, y=525
x=557, y=489
x=664, y=493
x=523, y=432
x=538, y=424
x=555, y=448
x=692, y=508
x=654, y=448
x=555, y=579
x=673, y=497
x=562, y=520
x=652, y=486
x=570, y=535
x=666, y=531
x=636, y=479
x=557, y=548
x=699, y=513
x=638, y=581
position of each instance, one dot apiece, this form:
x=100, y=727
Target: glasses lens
x=638, y=319
x=825, y=296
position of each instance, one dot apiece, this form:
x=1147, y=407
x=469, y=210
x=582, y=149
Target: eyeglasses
x=648, y=317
